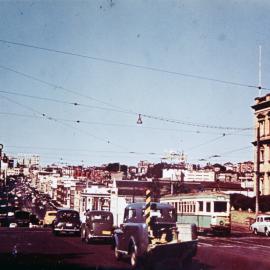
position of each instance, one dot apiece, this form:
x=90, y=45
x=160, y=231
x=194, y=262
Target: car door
x=261, y=225
x=126, y=228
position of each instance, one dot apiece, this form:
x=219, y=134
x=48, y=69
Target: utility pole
x=258, y=172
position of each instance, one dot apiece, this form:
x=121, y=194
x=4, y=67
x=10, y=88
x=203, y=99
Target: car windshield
x=64, y=216
x=162, y=215
x=22, y=215
x=100, y=217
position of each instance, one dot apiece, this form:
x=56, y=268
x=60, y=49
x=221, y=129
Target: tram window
x=200, y=206
x=208, y=205
x=220, y=206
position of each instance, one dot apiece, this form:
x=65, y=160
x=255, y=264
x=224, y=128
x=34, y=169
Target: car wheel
x=83, y=235
x=86, y=238
x=117, y=254
x=255, y=231
x=267, y=232
x=134, y=259
x=56, y=233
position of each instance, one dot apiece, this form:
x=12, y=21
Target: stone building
x=262, y=123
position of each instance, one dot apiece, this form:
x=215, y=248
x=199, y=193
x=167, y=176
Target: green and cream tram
x=210, y=211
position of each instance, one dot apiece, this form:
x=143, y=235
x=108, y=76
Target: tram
x=210, y=211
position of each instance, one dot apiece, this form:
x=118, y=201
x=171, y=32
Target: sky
x=76, y=75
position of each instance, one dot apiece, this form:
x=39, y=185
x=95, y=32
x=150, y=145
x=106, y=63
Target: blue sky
x=157, y=42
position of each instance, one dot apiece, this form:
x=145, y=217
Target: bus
x=210, y=211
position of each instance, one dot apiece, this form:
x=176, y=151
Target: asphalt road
x=37, y=248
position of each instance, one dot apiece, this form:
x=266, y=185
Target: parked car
x=98, y=225
x=261, y=225
x=49, y=218
x=66, y=221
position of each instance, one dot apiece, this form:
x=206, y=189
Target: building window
x=262, y=127
x=262, y=154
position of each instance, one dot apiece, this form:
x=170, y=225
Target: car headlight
x=60, y=224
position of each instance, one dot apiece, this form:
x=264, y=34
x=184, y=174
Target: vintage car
x=98, y=226
x=49, y=218
x=22, y=218
x=66, y=221
x=261, y=225
x=160, y=241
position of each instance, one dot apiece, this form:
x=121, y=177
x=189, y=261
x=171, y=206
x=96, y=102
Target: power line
x=59, y=122
x=198, y=132
x=83, y=150
x=207, y=142
x=133, y=113
x=110, y=61
x=55, y=86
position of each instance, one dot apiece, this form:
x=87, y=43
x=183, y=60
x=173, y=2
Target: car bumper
x=67, y=229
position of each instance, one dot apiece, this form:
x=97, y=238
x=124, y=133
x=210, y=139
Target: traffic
x=129, y=245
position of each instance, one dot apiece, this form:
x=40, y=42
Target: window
x=267, y=219
x=193, y=208
x=220, y=206
x=200, y=206
x=262, y=154
x=129, y=214
x=208, y=207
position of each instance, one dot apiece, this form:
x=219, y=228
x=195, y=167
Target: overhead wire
x=137, y=66
x=153, y=117
x=77, y=121
x=36, y=112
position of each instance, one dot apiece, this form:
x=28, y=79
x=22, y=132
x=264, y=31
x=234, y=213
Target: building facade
x=262, y=130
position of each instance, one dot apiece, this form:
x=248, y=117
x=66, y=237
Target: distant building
x=143, y=166
x=28, y=160
x=262, y=122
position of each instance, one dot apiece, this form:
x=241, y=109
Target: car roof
x=99, y=212
x=143, y=204
x=67, y=210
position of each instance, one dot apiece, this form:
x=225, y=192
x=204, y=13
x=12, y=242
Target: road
x=37, y=248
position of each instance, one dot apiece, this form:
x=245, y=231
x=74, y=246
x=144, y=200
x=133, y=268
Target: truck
x=161, y=241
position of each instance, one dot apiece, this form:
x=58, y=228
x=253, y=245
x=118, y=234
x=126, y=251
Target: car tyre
x=83, y=235
x=255, y=231
x=55, y=233
x=134, y=259
x=267, y=232
x=117, y=254
x=87, y=239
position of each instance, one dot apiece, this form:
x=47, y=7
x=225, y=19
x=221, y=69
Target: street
x=37, y=248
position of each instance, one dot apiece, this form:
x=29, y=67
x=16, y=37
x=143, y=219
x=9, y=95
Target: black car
x=66, y=221
x=22, y=218
x=98, y=225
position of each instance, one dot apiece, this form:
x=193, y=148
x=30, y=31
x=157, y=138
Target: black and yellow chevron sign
x=148, y=208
